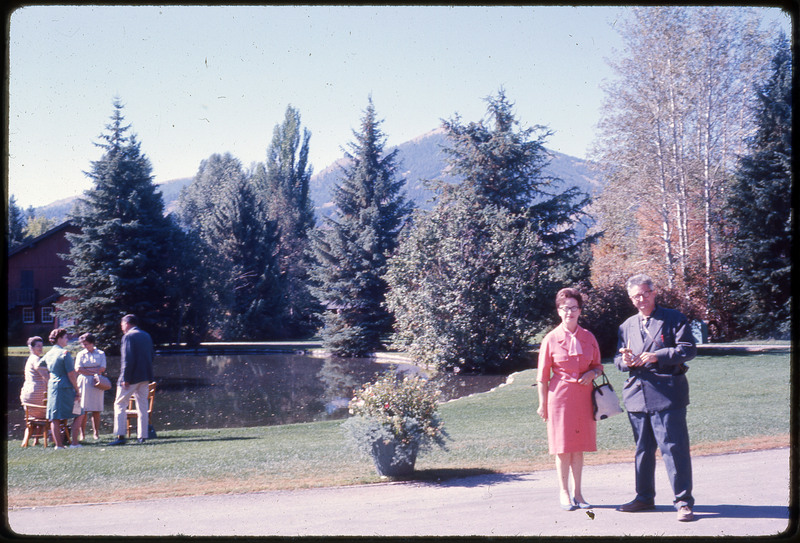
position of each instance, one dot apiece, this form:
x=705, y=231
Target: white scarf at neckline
x=573, y=345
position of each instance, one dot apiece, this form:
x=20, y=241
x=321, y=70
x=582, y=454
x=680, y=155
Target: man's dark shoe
x=635, y=506
x=141, y=441
x=119, y=441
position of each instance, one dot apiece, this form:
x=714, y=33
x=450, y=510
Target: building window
x=28, y=316
x=26, y=279
x=64, y=322
x=47, y=314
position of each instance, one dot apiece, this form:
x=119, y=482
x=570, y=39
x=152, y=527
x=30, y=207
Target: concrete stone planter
x=394, y=459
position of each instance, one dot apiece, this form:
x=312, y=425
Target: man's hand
x=639, y=360
x=648, y=358
x=627, y=356
x=643, y=359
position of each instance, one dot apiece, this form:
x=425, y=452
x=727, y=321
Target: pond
x=239, y=390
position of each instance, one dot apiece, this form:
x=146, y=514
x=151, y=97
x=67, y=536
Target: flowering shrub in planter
x=393, y=420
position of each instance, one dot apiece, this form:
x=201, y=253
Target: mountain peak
x=422, y=158
x=435, y=132
x=419, y=159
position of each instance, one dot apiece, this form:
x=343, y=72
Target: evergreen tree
x=353, y=247
x=36, y=226
x=226, y=218
x=16, y=224
x=246, y=249
x=503, y=163
x=500, y=165
x=460, y=285
x=474, y=279
x=122, y=255
x=760, y=210
x=198, y=200
x=286, y=196
x=196, y=208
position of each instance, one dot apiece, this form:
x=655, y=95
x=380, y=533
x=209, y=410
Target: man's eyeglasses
x=642, y=295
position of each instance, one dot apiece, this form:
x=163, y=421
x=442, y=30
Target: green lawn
x=738, y=402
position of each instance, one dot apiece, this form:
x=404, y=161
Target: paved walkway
x=744, y=494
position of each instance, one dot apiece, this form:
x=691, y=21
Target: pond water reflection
x=225, y=391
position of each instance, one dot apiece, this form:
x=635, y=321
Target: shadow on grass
x=163, y=440
x=462, y=477
x=200, y=439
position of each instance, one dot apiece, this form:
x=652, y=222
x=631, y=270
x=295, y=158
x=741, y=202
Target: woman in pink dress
x=569, y=360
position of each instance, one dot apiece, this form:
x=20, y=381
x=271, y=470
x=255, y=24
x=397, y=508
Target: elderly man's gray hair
x=640, y=279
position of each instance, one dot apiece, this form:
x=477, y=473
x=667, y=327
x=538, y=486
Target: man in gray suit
x=654, y=346
x=136, y=373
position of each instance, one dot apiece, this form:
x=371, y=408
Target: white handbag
x=605, y=400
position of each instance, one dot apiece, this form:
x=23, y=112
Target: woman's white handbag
x=604, y=399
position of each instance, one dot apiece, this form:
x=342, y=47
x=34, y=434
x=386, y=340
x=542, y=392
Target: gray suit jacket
x=662, y=385
x=137, y=357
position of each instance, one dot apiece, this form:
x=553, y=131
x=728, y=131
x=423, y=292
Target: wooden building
x=35, y=270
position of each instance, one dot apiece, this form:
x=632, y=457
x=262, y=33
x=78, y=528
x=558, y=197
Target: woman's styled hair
x=565, y=293
x=34, y=339
x=88, y=337
x=56, y=334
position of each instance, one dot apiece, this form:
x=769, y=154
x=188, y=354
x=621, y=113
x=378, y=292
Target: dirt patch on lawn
x=746, y=444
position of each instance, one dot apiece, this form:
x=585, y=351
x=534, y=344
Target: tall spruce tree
x=475, y=277
x=246, y=250
x=286, y=196
x=760, y=210
x=184, y=280
x=502, y=164
x=352, y=248
x=198, y=199
x=122, y=255
x=225, y=215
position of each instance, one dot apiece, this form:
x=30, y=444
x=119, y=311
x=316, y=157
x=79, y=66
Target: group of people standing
x=67, y=385
x=653, y=347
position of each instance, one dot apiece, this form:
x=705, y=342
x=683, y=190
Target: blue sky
x=202, y=80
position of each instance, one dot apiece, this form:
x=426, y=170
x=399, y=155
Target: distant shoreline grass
x=739, y=403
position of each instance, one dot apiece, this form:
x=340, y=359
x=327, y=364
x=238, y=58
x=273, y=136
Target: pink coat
x=570, y=420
